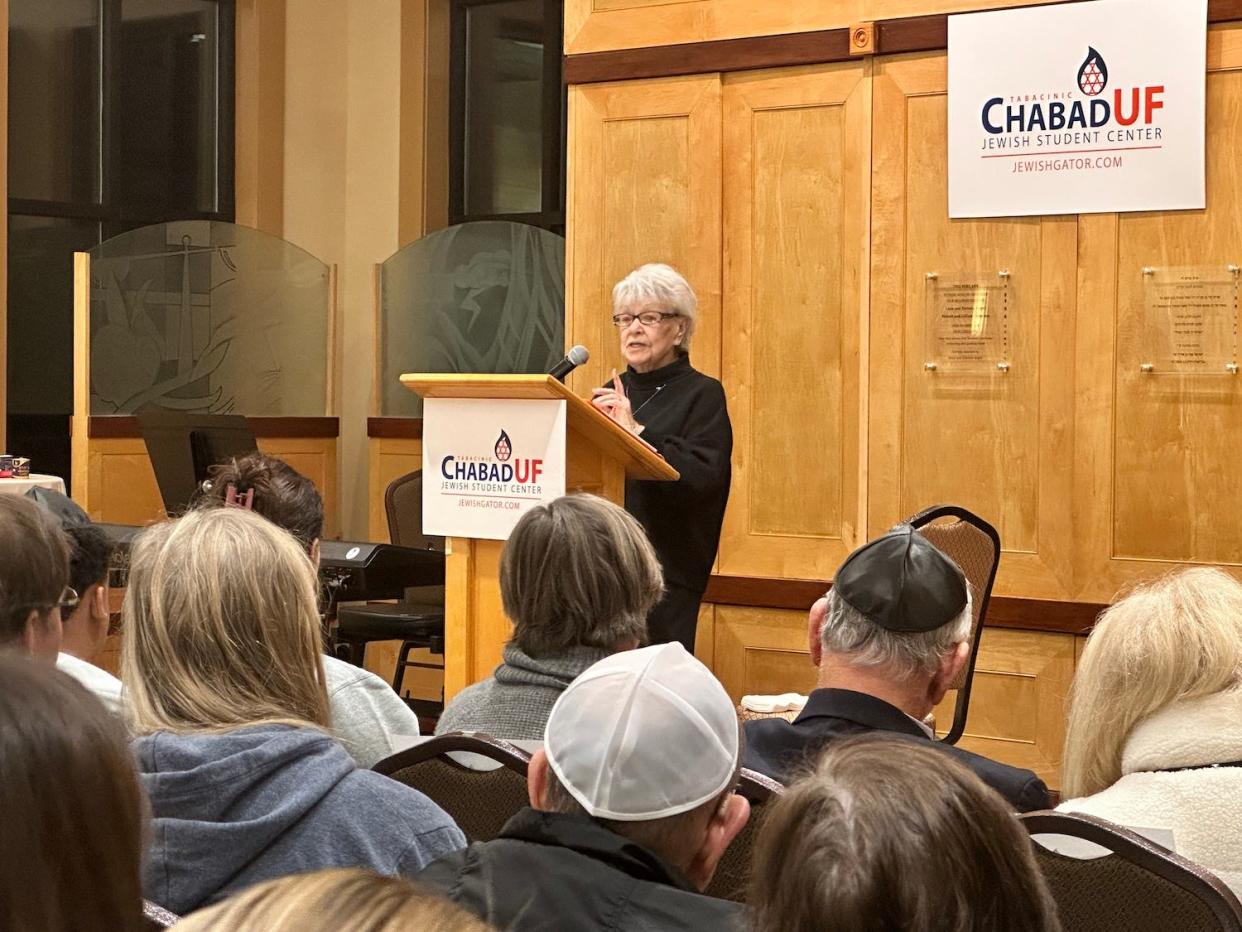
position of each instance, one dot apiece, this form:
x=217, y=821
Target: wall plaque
x=1192, y=319
x=967, y=322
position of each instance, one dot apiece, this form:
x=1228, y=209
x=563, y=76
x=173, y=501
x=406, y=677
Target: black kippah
x=902, y=582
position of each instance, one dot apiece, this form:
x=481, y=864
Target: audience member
x=632, y=806
x=886, y=834
x=224, y=681
x=34, y=578
x=577, y=578
x=86, y=624
x=367, y=715
x=334, y=901
x=70, y=807
x=1153, y=740
x=888, y=639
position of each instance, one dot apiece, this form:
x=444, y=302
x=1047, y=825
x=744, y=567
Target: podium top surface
x=639, y=458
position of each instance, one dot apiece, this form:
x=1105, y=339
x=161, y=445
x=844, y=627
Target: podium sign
x=487, y=462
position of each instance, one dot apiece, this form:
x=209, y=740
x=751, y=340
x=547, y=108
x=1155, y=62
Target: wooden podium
x=599, y=455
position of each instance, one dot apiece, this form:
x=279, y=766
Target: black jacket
x=550, y=871
x=684, y=416
x=780, y=748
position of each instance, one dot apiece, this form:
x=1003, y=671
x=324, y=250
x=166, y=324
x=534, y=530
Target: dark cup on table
x=6, y=466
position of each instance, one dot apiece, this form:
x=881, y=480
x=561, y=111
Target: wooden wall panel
x=644, y=187
x=998, y=443
x=1160, y=488
x=122, y=487
x=797, y=159
x=1018, y=700
x=762, y=651
x=390, y=458
x=600, y=25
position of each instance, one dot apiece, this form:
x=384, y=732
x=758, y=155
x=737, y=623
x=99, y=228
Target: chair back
x=1139, y=886
x=974, y=545
x=732, y=878
x=157, y=917
x=479, y=801
x=403, y=506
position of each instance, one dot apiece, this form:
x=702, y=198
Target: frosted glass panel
x=210, y=318
x=478, y=297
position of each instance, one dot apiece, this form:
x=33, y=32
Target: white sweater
x=367, y=716
x=1200, y=807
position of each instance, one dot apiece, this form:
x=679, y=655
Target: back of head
x=893, y=834
x=897, y=603
x=221, y=628
x=70, y=807
x=281, y=494
x=1178, y=637
x=578, y=571
x=90, y=552
x=350, y=900
x=647, y=743
x=34, y=570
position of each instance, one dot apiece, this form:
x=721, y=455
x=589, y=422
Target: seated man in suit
x=888, y=639
x=632, y=806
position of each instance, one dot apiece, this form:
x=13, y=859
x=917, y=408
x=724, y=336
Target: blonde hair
x=347, y=900
x=221, y=628
x=1179, y=637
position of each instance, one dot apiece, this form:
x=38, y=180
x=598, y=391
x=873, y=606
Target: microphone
x=573, y=359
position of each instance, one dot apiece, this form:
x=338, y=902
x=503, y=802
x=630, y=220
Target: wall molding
x=824, y=46
x=395, y=428
x=122, y=426
x=1003, y=611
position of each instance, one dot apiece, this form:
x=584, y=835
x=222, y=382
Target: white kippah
x=643, y=734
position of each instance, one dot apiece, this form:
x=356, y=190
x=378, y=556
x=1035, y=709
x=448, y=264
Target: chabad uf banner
x=486, y=462
x=1077, y=108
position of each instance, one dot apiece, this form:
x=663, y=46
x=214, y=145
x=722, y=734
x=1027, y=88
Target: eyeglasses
x=68, y=600
x=647, y=318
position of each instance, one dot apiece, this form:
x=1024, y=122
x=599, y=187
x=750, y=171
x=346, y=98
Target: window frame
x=551, y=215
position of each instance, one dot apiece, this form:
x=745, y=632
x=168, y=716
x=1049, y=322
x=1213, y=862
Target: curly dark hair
x=281, y=494
x=90, y=552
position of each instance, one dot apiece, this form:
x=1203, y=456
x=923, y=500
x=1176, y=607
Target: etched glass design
x=487, y=297
x=208, y=318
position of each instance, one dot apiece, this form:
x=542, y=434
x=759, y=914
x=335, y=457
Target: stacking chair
x=732, y=875
x=418, y=620
x=974, y=545
x=480, y=801
x=1139, y=886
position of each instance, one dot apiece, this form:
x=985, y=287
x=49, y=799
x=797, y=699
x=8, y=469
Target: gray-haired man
x=888, y=639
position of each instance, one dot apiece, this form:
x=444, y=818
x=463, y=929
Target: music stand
x=183, y=447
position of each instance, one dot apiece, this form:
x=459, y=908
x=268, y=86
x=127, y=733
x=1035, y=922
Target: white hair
x=664, y=285
x=906, y=653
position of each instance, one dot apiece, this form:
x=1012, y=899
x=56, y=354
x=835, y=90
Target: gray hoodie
x=237, y=808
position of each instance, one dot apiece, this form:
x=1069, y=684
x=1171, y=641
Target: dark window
x=120, y=115
x=507, y=113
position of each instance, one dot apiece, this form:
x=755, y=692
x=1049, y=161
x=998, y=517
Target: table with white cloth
x=20, y=485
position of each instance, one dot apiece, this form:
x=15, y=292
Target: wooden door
x=1001, y=442
x=1159, y=484
x=796, y=180
x=643, y=186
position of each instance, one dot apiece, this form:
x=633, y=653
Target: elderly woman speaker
x=681, y=412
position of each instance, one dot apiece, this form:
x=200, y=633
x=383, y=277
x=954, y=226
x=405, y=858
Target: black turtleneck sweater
x=684, y=417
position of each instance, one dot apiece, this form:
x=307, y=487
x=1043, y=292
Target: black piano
x=349, y=571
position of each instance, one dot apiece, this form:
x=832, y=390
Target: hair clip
x=232, y=499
